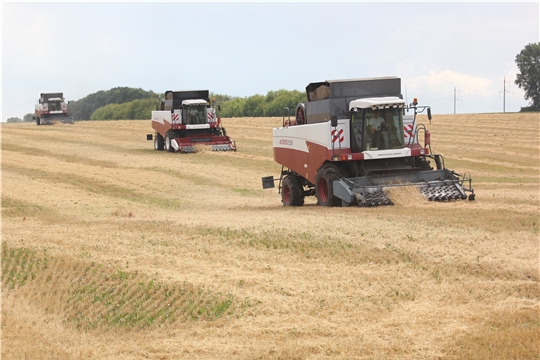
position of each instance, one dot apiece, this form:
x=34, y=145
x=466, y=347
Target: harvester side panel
x=305, y=148
x=161, y=121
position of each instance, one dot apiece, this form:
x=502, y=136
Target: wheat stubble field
x=111, y=250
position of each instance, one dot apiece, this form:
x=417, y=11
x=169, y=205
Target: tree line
x=253, y=106
x=262, y=106
x=271, y=104
x=119, y=101
x=123, y=103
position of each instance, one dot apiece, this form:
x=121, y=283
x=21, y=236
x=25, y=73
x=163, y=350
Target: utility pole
x=504, y=94
x=455, y=99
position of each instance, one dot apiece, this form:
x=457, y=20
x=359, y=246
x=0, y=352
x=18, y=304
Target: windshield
x=54, y=106
x=377, y=129
x=195, y=114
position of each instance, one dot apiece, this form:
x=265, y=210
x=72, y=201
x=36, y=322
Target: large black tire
x=292, y=193
x=168, y=145
x=38, y=121
x=324, y=185
x=159, y=142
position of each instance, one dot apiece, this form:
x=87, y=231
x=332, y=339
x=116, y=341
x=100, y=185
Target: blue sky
x=247, y=48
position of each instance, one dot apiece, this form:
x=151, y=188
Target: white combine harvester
x=51, y=107
x=355, y=139
x=187, y=119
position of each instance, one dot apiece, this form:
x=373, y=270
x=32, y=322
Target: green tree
x=278, y=100
x=219, y=98
x=84, y=108
x=233, y=108
x=140, y=109
x=254, y=106
x=14, y=120
x=258, y=105
x=528, y=63
x=28, y=117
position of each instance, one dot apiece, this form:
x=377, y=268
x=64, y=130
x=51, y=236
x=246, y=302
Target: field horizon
x=111, y=249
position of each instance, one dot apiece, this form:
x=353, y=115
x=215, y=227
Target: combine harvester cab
x=51, y=107
x=185, y=121
x=353, y=141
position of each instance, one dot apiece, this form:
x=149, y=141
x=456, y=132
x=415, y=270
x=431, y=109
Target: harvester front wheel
x=292, y=193
x=159, y=142
x=324, y=185
x=168, y=145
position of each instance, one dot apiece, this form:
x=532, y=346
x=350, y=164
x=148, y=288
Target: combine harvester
x=186, y=120
x=51, y=108
x=355, y=139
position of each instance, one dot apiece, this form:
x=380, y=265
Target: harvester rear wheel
x=324, y=185
x=292, y=193
x=159, y=142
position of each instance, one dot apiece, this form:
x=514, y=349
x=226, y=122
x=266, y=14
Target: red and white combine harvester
x=185, y=120
x=51, y=107
x=355, y=139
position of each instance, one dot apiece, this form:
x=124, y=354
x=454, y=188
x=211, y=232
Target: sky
x=455, y=56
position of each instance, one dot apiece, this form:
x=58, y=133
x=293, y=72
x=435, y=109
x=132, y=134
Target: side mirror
x=333, y=120
x=429, y=113
x=218, y=107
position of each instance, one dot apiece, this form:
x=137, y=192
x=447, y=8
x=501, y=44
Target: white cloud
x=448, y=79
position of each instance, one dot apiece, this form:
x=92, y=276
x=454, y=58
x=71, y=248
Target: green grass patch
x=17, y=208
x=95, y=296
